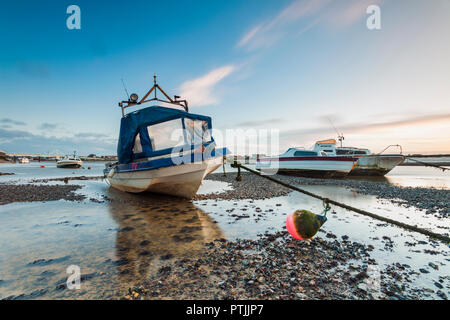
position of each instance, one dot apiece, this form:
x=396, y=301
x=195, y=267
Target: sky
x=300, y=67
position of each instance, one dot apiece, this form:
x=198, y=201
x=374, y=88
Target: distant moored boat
x=24, y=160
x=368, y=164
x=307, y=163
x=71, y=161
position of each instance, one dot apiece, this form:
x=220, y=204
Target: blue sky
x=289, y=65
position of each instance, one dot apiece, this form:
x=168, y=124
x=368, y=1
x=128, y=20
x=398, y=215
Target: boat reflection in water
x=154, y=229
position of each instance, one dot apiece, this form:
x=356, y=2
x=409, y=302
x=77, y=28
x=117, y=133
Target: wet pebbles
x=251, y=187
x=28, y=193
x=431, y=200
x=275, y=266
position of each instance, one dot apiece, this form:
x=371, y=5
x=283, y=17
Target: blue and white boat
x=163, y=149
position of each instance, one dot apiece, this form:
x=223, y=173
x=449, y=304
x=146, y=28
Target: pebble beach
x=230, y=242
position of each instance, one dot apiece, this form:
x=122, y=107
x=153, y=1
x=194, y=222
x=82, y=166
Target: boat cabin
x=71, y=158
x=158, y=131
x=330, y=148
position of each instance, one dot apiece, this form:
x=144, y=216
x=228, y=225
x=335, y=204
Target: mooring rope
x=427, y=164
x=347, y=207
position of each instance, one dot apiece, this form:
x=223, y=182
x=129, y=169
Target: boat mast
x=340, y=135
x=341, y=138
x=133, y=99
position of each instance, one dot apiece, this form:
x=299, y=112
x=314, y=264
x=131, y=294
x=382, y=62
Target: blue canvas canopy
x=137, y=122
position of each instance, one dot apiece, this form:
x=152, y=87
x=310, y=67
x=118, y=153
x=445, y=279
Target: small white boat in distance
x=24, y=160
x=368, y=164
x=307, y=163
x=163, y=150
x=71, y=161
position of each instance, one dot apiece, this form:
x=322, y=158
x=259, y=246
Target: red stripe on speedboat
x=310, y=159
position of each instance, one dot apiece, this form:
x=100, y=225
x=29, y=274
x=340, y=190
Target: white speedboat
x=163, y=150
x=308, y=163
x=69, y=162
x=24, y=160
x=368, y=164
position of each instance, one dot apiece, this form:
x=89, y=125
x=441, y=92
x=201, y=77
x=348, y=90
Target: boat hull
x=313, y=173
x=69, y=164
x=179, y=180
x=376, y=165
x=308, y=166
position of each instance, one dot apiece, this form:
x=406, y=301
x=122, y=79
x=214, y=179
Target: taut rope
x=343, y=205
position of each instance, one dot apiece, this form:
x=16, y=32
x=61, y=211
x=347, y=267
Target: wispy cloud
x=368, y=130
x=302, y=15
x=371, y=127
x=200, y=91
x=90, y=135
x=418, y=120
x=259, y=123
x=23, y=141
x=12, y=122
x=48, y=126
x=269, y=32
x=34, y=69
x=351, y=13
x=249, y=36
x=8, y=135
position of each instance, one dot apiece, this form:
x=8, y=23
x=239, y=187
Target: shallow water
x=33, y=170
x=121, y=242
x=407, y=247
x=405, y=176
x=124, y=241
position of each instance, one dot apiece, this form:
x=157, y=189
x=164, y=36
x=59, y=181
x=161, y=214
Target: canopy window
x=305, y=153
x=137, y=144
x=197, y=131
x=166, y=135
x=155, y=131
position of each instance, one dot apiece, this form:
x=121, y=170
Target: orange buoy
x=42, y=166
x=303, y=224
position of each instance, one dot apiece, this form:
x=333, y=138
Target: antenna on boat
x=133, y=98
x=126, y=91
x=340, y=135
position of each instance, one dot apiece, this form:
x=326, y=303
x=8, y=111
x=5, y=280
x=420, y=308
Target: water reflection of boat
x=368, y=164
x=153, y=229
x=163, y=150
